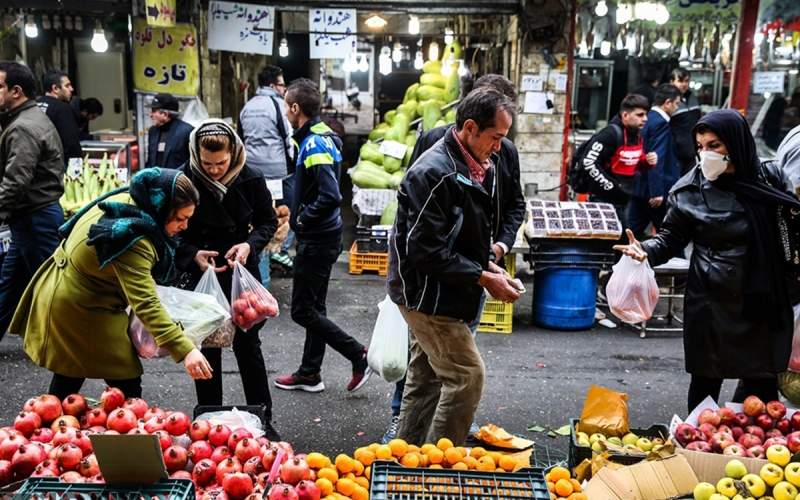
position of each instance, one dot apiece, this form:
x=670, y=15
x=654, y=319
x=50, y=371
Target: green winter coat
x=73, y=314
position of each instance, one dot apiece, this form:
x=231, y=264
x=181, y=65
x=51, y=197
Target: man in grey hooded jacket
x=788, y=156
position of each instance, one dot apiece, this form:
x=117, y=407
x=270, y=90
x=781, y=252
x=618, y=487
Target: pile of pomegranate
x=51, y=438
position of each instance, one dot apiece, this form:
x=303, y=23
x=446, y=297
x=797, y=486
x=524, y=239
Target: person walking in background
x=31, y=182
x=788, y=157
x=648, y=204
x=317, y=222
x=684, y=119
x=55, y=103
x=651, y=78
x=89, y=110
x=168, y=137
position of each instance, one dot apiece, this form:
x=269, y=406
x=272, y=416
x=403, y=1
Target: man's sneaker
x=391, y=431
x=283, y=260
x=361, y=373
x=296, y=382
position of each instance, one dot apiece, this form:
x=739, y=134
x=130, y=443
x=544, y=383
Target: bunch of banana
x=90, y=184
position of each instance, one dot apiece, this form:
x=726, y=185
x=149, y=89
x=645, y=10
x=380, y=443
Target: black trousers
x=641, y=214
x=312, y=272
x=247, y=350
x=62, y=386
x=701, y=387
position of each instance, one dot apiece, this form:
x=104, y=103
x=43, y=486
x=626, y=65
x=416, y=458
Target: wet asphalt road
x=534, y=376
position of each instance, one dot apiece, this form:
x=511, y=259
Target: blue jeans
x=400, y=385
x=263, y=267
x=34, y=237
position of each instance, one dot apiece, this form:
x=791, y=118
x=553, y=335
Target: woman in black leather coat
x=737, y=312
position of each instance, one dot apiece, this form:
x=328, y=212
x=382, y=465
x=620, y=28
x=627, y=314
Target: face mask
x=713, y=164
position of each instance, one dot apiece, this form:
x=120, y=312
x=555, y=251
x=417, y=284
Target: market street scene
x=390, y=249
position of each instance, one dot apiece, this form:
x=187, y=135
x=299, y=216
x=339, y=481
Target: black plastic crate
x=259, y=411
x=372, y=240
x=47, y=488
x=392, y=481
x=578, y=454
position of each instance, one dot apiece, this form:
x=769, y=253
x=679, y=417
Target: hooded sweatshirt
x=788, y=156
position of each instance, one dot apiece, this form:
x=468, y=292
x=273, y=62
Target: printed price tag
x=275, y=187
x=74, y=167
x=531, y=83
x=394, y=149
x=122, y=175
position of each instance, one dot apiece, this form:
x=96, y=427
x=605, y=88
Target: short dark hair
x=679, y=75
x=634, y=101
x=269, y=75
x=665, y=92
x=305, y=94
x=52, y=77
x=91, y=106
x=499, y=83
x=185, y=194
x=19, y=75
x=651, y=74
x=481, y=106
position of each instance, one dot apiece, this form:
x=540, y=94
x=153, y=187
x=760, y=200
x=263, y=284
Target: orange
x=452, y=456
x=508, y=463
x=368, y=472
x=345, y=486
x=410, y=460
x=444, y=444
x=398, y=447
x=423, y=461
x=576, y=486
x=558, y=473
x=551, y=486
x=360, y=493
x=460, y=466
x=344, y=464
x=363, y=482
x=366, y=457
x=425, y=448
x=435, y=456
x=328, y=473
x=496, y=455
x=486, y=464
x=373, y=447
x=413, y=448
x=358, y=468
x=462, y=450
x=578, y=496
x=471, y=462
x=384, y=452
x=563, y=487
x=317, y=460
x=477, y=452
x=435, y=466
x=325, y=486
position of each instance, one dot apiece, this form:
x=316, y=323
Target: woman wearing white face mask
x=737, y=310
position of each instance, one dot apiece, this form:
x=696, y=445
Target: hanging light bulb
x=462, y=68
x=605, y=48
x=31, y=30
x=397, y=52
x=433, y=51
x=418, y=62
x=413, y=25
x=375, y=22
x=385, y=61
x=623, y=13
x=57, y=22
x=78, y=23
x=46, y=22
x=363, y=65
x=68, y=22
x=448, y=36
x=662, y=44
x=661, y=15
x=283, y=48
x=99, y=42
x=601, y=9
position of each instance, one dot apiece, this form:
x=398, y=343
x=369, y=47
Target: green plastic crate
x=48, y=488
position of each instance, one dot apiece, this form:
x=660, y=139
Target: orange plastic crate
x=361, y=262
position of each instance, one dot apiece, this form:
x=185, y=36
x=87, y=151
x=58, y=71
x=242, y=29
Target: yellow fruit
x=426, y=448
x=444, y=443
x=317, y=460
x=563, y=488
x=373, y=447
x=325, y=486
x=477, y=452
x=398, y=447
x=486, y=463
x=366, y=457
x=558, y=473
x=410, y=460
x=460, y=466
x=368, y=473
x=363, y=482
x=345, y=486
x=436, y=466
x=358, y=468
x=328, y=473
x=384, y=452
x=435, y=456
x=576, y=486
x=344, y=464
x=508, y=463
x=471, y=462
x=360, y=493
x=452, y=456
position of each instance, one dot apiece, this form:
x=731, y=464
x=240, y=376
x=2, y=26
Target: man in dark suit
x=648, y=204
x=168, y=138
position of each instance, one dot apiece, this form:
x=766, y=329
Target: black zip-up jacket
x=434, y=265
x=65, y=119
x=509, y=207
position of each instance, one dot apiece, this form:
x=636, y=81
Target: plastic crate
x=259, y=411
x=369, y=261
x=372, y=239
x=498, y=317
x=48, y=488
x=393, y=481
x=578, y=454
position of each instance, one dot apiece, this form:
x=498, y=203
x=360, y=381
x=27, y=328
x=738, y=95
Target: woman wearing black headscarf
x=737, y=312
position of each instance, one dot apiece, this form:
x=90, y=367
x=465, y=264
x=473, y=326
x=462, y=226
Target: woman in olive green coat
x=73, y=314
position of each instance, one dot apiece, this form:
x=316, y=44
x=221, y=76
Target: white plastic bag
x=209, y=285
x=632, y=290
x=388, y=350
x=195, y=112
x=198, y=313
x=234, y=419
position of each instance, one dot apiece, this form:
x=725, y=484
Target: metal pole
x=743, y=55
x=562, y=193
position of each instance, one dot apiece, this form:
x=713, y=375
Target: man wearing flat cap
x=168, y=138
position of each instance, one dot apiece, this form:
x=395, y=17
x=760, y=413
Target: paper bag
x=604, y=411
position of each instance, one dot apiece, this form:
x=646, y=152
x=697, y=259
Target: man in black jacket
x=168, y=138
x=31, y=182
x=55, y=103
x=684, y=120
x=439, y=263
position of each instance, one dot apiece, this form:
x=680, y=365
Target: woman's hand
x=238, y=253
x=205, y=259
x=197, y=365
x=633, y=249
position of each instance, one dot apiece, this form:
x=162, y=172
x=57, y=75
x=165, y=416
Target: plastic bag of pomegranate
x=142, y=341
x=209, y=285
x=632, y=290
x=252, y=303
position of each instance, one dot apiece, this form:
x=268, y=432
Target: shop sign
x=768, y=81
x=165, y=59
x=160, y=12
x=331, y=33
x=241, y=27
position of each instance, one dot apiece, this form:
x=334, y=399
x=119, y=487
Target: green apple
x=735, y=469
x=631, y=448
x=598, y=447
x=784, y=491
x=584, y=441
x=657, y=448
x=779, y=455
x=727, y=487
x=644, y=444
x=581, y=435
x=792, y=473
x=657, y=441
x=771, y=474
x=629, y=438
x=755, y=485
x=740, y=497
x=615, y=441
x=717, y=496
x=703, y=491
x=596, y=437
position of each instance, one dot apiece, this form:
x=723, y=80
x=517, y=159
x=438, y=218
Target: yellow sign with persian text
x=165, y=59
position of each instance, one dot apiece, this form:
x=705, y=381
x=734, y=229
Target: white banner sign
x=331, y=33
x=241, y=27
x=768, y=81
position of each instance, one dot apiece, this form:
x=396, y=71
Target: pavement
x=535, y=377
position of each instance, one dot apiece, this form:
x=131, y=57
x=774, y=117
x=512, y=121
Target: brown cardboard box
x=710, y=467
x=671, y=477
x=129, y=459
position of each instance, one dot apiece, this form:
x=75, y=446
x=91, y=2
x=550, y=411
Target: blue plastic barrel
x=564, y=292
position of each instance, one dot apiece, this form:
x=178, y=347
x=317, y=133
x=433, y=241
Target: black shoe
x=270, y=432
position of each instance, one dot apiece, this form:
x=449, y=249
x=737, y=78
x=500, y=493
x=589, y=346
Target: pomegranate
x=10, y=445
x=42, y=435
x=154, y=411
x=138, y=431
x=72, y=477
x=137, y=405
x=49, y=463
x=27, y=422
x=264, y=441
x=111, y=399
x=228, y=466
x=95, y=429
x=163, y=439
x=88, y=466
x=42, y=471
x=308, y=490
x=220, y=454
x=177, y=423
x=98, y=479
x=255, y=495
x=200, y=450
x=65, y=421
x=215, y=494
x=237, y=485
x=6, y=473
x=175, y=458
x=295, y=470
x=111, y=433
x=74, y=405
x=68, y=456
x=64, y=435
x=96, y=417
x=247, y=449
x=268, y=458
x=199, y=430
x=183, y=441
x=218, y=435
x=253, y=466
x=237, y=435
x=121, y=420
x=286, y=447
x=25, y=459
x=28, y=406
x=204, y=472
x=181, y=474
x=83, y=442
x=154, y=424
x=282, y=492
x=6, y=431
x=48, y=407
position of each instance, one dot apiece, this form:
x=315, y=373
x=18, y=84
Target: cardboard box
x=129, y=458
x=710, y=467
x=671, y=477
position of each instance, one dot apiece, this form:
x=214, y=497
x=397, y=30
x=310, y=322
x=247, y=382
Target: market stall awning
x=440, y=7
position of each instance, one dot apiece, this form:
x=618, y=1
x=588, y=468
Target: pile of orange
x=562, y=486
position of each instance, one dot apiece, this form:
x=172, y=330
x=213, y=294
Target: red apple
x=756, y=431
x=708, y=416
x=773, y=441
x=720, y=441
x=685, y=433
x=795, y=419
x=699, y=446
x=773, y=433
x=753, y=406
x=793, y=441
x=707, y=429
x=727, y=416
x=725, y=429
x=784, y=425
x=743, y=420
x=749, y=440
x=757, y=452
x=737, y=432
x=776, y=409
x=765, y=422
x=735, y=450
